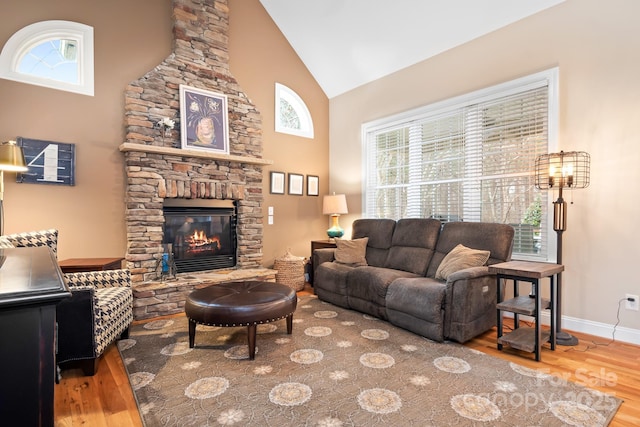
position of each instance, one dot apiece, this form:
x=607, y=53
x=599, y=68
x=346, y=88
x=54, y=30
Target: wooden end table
x=77, y=265
x=527, y=339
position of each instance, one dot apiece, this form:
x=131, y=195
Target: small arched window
x=292, y=114
x=54, y=54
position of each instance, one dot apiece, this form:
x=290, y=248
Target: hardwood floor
x=106, y=399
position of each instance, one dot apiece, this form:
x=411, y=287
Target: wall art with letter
x=49, y=162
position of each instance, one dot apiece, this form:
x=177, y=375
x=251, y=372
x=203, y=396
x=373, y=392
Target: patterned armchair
x=99, y=311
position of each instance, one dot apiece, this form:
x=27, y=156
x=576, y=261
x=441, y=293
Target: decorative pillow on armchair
x=459, y=258
x=351, y=252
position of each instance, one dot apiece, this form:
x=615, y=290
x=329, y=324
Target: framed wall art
x=276, y=183
x=313, y=185
x=204, y=124
x=49, y=162
x=296, y=184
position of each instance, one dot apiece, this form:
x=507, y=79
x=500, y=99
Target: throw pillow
x=459, y=258
x=351, y=252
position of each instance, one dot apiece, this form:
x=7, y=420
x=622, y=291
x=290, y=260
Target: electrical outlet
x=632, y=305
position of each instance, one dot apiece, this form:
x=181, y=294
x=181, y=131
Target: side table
x=527, y=339
x=77, y=265
x=318, y=244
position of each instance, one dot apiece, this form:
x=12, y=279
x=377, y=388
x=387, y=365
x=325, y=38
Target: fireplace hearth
x=200, y=235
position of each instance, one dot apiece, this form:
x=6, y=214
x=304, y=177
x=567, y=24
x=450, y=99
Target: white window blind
x=469, y=160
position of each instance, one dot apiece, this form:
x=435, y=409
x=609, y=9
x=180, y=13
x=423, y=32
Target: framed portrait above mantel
x=204, y=123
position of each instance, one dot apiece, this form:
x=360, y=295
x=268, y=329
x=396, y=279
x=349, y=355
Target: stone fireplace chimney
x=157, y=169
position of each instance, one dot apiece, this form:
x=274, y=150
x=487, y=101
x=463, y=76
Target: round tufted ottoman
x=240, y=304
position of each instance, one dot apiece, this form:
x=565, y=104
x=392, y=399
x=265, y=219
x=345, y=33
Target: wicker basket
x=290, y=271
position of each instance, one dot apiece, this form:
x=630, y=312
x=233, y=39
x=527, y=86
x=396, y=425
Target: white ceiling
x=347, y=43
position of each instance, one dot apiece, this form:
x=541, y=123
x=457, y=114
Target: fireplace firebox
x=201, y=236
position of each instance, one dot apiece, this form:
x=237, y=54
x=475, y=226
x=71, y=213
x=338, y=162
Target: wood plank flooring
x=106, y=399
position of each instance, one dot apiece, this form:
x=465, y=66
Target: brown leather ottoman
x=240, y=304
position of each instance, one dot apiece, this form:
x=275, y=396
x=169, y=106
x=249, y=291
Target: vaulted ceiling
x=347, y=43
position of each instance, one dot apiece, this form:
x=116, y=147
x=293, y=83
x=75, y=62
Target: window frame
x=25, y=39
x=284, y=93
x=548, y=78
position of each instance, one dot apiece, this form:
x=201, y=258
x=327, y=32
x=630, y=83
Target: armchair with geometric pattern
x=99, y=311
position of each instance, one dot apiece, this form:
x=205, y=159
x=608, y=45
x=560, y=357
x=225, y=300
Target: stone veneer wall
x=199, y=59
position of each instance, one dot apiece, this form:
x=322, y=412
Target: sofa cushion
x=417, y=304
x=367, y=288
x=459, y=258
x=380, y=233
x=413, y=244
x=496, y=238
x=351, y=252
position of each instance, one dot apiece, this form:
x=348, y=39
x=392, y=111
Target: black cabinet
x=31, y=285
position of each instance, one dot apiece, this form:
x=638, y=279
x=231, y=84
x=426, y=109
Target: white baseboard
x=598, y=329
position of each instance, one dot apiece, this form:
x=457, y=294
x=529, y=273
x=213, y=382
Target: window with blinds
x=468, y=159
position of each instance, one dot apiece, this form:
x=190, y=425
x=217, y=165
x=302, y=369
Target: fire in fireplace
x=200, y=234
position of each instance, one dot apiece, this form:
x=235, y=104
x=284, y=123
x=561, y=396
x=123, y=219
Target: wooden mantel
x=128, y=146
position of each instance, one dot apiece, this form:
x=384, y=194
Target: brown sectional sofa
x=399, y=284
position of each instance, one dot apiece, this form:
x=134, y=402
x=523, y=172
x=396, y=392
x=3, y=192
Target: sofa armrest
x=469, y=273
x=470, y=303
x=323, y=255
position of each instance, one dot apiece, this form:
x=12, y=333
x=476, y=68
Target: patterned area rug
x=340, y=368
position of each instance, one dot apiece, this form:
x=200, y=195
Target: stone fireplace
x=157, y=171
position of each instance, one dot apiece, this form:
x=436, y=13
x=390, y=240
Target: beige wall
x=596, y=46
x=260, y=57
x=132, y=37
x=89, y=215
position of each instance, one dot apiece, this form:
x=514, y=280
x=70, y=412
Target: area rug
x=340, y=368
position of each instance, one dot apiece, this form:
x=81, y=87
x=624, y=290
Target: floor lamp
x=562, y=170
x=11, y=160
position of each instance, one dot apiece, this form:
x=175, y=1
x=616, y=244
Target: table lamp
x=334, y=205
x=11, y=160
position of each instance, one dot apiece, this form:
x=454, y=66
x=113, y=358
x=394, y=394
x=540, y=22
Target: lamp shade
x=563, y=170
x=12, y=158
x=334, y=204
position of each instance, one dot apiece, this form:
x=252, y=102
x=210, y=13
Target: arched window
x=54, y=54
x=292, y=114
